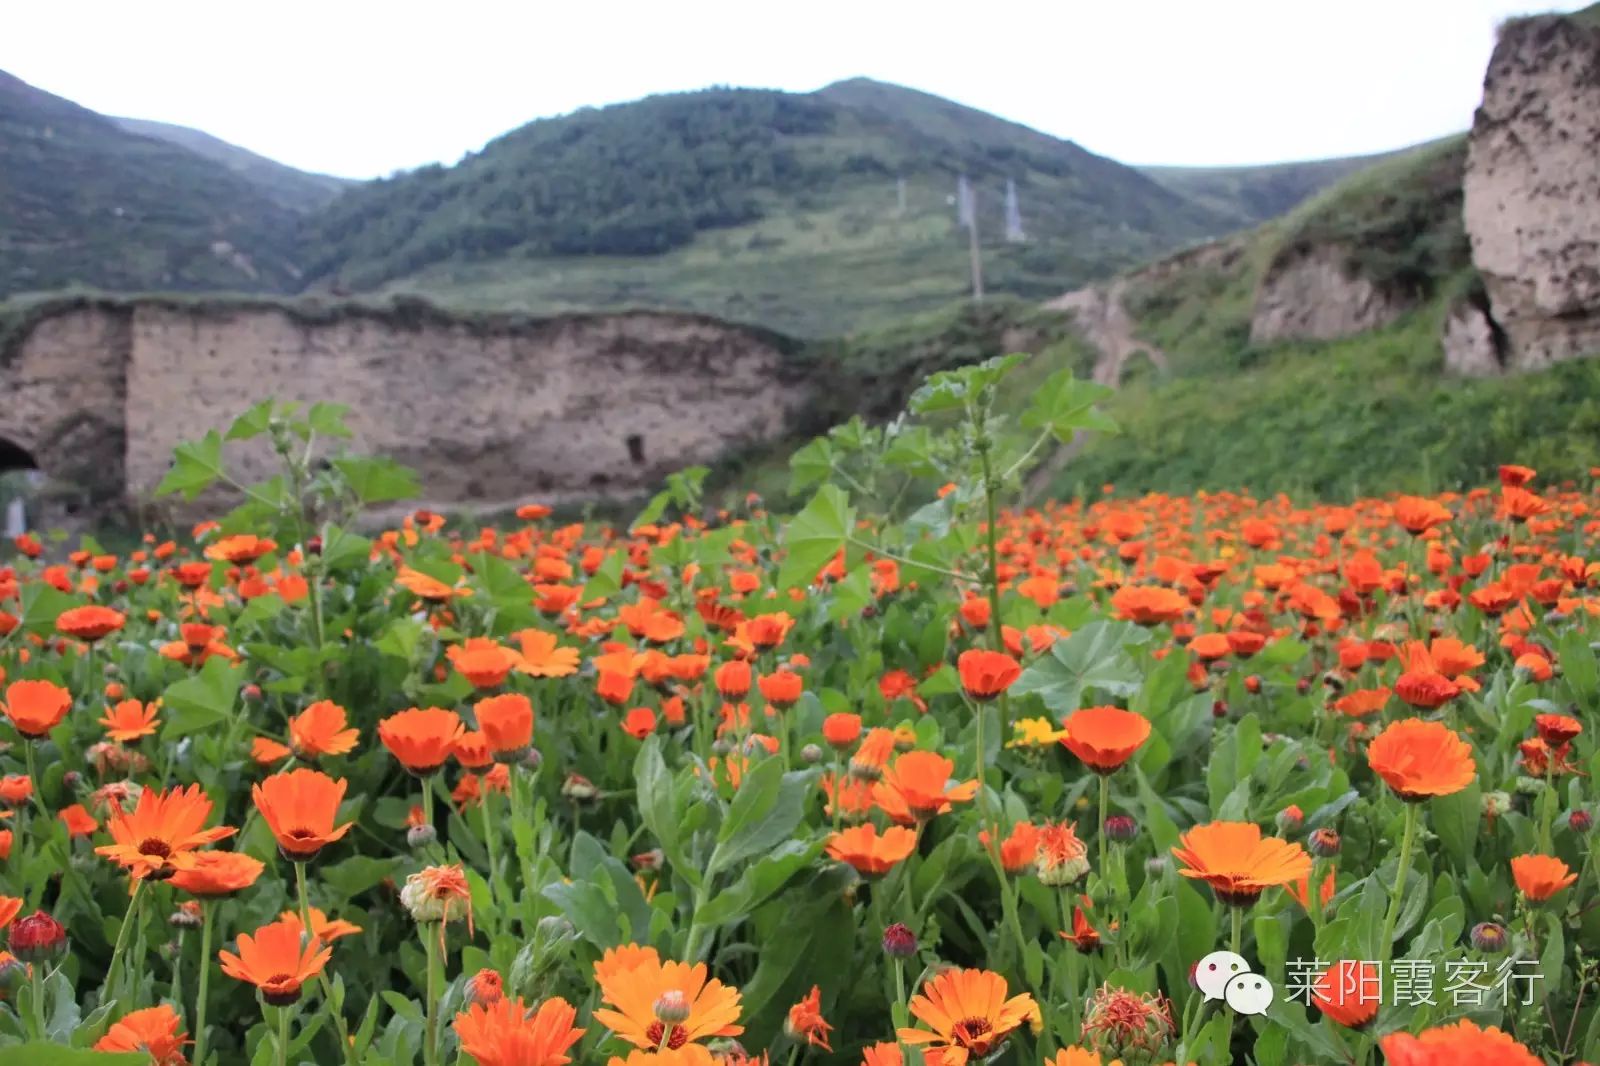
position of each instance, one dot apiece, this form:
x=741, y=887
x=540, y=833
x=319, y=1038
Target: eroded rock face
x=490, y=412
x=1473, y=343
x=1314, y=296
x=1532, y=189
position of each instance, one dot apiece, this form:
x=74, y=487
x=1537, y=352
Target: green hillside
x=1254, y=194
x=85, y=202
x=776, y=207
x=1369, y=413
x=297, y=190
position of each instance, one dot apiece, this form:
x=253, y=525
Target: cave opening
x=14, y=456
x=636, y=447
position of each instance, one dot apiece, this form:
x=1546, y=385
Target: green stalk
x=430, y=1049
x=203, y=981
x=33, y=776
x=283, y=1036
x=36, y=980
x=1386, y=945
x=1105, y=790
x=113, y=971
x=305, y=901
x=1237, y=914
x=493, y=847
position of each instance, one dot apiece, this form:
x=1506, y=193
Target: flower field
x=917, y=775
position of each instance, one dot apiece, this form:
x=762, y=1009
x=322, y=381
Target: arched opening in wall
x=19, y=473
x=636, y=447
x=14, y=457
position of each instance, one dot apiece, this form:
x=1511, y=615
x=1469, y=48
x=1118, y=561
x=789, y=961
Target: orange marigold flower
x=1362, y=701
x=321, y=730
x=79, y=822
x=240, y=549
x=266, y=751
x=89, y=623
x=1018, y=848
x=163, y=833
x=1238, y=862
x=1059, y=857
x=1417, y=514
x=1540, y=876
x=36, y=707
x=505, y=1032
x=1458, y=1044
x=732, y=679
x=507, y=725
x=438, y=894
x=768, y=630
x=639, y=722
x=1105, y=737
x=323, y=928
x=218, y=873
x=155, y=1031
x=540, y=657
x=1149, y=605
x=422, y=739
x=1557, y=729
x=986, y=674
x=1418, y=759
x=841, y=730
x=299, y=807
x=805, y=1021
x=638, y=987
x=782, y=688
x=871, y=854
x=10, y=907
x=1349, y=992
x=968, y=1013
x=482, y=661
x=129, y=720
x=277, y=961
x=917, y=787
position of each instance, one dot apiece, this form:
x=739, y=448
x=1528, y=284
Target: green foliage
x=1254, y=194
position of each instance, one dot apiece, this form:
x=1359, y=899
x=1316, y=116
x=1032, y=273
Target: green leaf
x=952, y=390
x=202, y=700
x=1064, y=405
x=764, y=814
x=656, y=791
x=762, y=879
x=260, y=609
x=652, y=511
x=195, y=466
x=1092, y=658
x=606, y=581
x=815, y=535
x=252, y=423
x=42, y=1054
x=357, y=874
x=377, y=480
x=810, y=465
x=42, y=604
x=1455, y=820
x=328, y=419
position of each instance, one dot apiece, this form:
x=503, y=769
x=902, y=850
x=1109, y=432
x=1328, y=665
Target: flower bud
x=1581, y=821
x=1489, y=936
x=1290, y=819
x=672, y=1007
x=485, y=988
x=187, y=916
x=251, y=693
x=1122, y=828
x=811, y=754
x=578, y=788
x=721, y=746
x=421, y=836
x=532, y=760
x=38, y=938
x=1219, y=708
x=1496, y=803
x=899, y=942
x=1156, y=865
x=1323, y=843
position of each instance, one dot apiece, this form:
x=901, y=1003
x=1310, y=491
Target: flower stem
x=493, y=847
x=203, y=981
x=1386, y=945
x=305, y=901
x=283, y=1036
x=430, y=1049
x=33, y=776
x=1105, y=791
x=1238, y=928
x=113, y=971
x=36, y=979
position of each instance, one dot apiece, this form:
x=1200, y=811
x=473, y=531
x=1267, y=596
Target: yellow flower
x=1035, y=733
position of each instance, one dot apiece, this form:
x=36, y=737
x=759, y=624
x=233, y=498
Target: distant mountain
x=1252, y=195
x=777, y=207
x=298, y=190
x=85, y=202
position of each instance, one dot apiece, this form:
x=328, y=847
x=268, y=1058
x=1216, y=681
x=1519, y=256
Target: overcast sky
x=362, y=88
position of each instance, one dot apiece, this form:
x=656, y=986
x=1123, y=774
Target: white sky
x=363, y=88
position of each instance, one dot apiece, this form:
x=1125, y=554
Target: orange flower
x=1426, y=690
x=767, y=630
x=1458, y=1044
x=805, y=1020
x=917, y=787
x=841, y=730
x=438, y=894
x=322, y=927
x=1557, y=729
x=507, y=725
x=239, y=549
x=1417, y=514
x=79, y=822
x=1149, y=605
x=163, y=834
x=1105, y=737
x=635, y=984
x=472, y=751
x=1418, y=759
x=505, y=1033
x=218, y=873
x=275, y=962
x=421, y=739
x=1075, y=1056
x=969, y=1014
x=129, y=720
x=320, y=730
x=1362, y=701
x=870, y=853
x=156, y=1031
x=781, y=688
x=733, y=679
x=36, y=707
x=266, y=751
x=639, y=722
x=299, y=807
x=986, y=674
x=424, y=587
x=1237, y=862
x=1059, y=857
x=1539, y=877
x=1018, y=848
x=540, y=657
x=89, y=623
x=1301, y=890
x=10, y=907
x=482, y=661
x=1349, y=992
